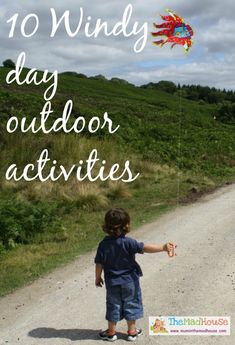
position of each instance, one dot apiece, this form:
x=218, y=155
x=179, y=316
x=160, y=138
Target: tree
x=167, y=86
x=216, y=97
x=98, y=77
x=8, y=64
x=193, y=95
x=226, y=113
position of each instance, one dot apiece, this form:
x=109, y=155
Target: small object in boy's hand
x=171, y=249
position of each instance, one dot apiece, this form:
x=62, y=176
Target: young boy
x=116, y=257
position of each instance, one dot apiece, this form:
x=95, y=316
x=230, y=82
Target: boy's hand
x=99, y=282
x=170, y=249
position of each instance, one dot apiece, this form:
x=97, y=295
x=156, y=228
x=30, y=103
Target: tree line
x=225, y=99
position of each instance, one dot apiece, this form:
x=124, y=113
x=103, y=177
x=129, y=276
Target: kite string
x=179, y=146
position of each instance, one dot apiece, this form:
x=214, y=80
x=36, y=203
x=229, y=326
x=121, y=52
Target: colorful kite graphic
x=176, y=31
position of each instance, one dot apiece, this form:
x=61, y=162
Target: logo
x=158, y=326
x=189, y=325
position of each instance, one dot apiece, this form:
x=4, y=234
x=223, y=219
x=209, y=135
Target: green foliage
x=207, y=94
x=8, y=64
x=98, y=77
x=81, y=75
x=152, y=123
x=226, y=113
x=73, y=74
x=167, y=86
x=168, y=138
x=21, y=221
x=163, y=85
x=166, y=130
x=120, y=81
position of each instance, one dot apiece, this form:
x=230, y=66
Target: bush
x=81, y=76
x=98, y=77
x=8, y=64
x=120, y=81
x=226, y=113
x=163, y=85
x=167, y=86
x=73, y=74
x=118, y=190
x=69, y=74
x=21, y=221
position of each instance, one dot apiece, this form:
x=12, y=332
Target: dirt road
x=65, y=307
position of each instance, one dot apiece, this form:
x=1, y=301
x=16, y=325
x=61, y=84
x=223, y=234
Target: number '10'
x=29, y=19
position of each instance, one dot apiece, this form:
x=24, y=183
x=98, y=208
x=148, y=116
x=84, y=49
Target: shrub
x=226, y=113
x=81, y=76
x=98, y=77
x=118, y=190
x=90, y=197
x=20, y=221
x=69, y=74
x=8, y=64
x=163, y=85
x=73, y=74
x=167, y=86
x=120, y=81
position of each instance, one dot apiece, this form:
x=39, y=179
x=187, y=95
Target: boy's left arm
x=156, y=248
x=98, y=272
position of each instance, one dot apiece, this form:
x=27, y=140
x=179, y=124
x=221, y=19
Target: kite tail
x=162, y=33
x=168, y=18
x=174, y=44
x=160, y=42
x=163, y=25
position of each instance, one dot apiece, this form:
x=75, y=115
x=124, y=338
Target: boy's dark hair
x=116, y=222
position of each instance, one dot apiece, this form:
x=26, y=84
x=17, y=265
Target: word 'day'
x=33, y=77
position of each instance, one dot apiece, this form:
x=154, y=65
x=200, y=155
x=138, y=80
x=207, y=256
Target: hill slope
x=175, y=144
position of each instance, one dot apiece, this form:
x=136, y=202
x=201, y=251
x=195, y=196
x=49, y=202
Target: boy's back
x=117, y=256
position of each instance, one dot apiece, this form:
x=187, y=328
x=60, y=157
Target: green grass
x=172, y=142
x=81, y=232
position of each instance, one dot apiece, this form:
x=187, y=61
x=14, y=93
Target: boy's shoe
x=105, y=336
x=133, y=337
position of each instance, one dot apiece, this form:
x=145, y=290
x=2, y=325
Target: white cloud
x=211, y=74
x=209, y=62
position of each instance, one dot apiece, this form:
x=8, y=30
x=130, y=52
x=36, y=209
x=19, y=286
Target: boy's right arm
x=157, y=248
x=98, y=278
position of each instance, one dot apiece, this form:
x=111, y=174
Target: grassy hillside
x=176, y=145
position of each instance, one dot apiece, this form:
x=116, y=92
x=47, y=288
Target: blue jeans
x=124, y=302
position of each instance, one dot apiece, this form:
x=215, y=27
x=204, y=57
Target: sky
x=209, y=62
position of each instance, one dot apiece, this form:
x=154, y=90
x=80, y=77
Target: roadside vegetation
x=180, y=146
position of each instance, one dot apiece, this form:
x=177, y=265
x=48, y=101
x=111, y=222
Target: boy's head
x=116, y=222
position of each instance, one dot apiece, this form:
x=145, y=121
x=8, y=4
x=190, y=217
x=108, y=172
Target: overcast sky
x=209, y=62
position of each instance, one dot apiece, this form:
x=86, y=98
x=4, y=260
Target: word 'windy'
x=86, y=26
